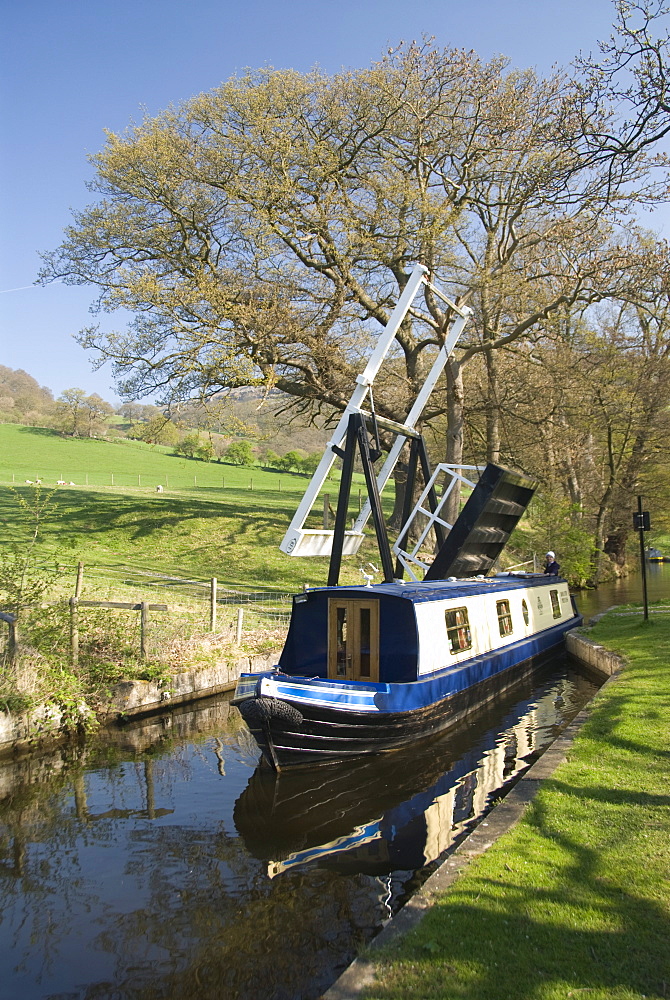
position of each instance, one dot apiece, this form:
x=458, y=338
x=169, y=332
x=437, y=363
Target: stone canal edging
x=600, y=661
x=361, y=974
x=137, y=697
x=21, y=732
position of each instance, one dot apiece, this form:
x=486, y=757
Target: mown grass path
x=575, y=900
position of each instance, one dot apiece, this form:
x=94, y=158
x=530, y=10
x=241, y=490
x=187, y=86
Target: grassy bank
x=575, y=901
x=209, y=520
x=137, y=544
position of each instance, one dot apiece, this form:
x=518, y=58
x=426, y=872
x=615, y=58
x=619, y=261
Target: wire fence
x=185, y=618
x=170, y=587
x=174, y=634
x=253, y=480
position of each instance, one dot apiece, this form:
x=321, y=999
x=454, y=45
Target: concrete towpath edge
x=361, y=974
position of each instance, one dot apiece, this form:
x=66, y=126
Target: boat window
x=341, y=654
x=504, y=618
x=524, y=611
x=458, y=630
x=364, y=632
x=555, y=603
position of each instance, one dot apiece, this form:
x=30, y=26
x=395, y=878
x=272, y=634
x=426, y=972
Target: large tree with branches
x=262, y=232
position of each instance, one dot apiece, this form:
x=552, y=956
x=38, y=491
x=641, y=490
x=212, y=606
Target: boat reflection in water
x=401, y=810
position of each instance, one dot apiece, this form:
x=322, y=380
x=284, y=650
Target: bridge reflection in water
x=163, y=861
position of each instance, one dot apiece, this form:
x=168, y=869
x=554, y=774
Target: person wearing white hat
x=550, y=565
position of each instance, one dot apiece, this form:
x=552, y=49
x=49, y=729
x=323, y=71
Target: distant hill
x=22, y=399
x=250, y=413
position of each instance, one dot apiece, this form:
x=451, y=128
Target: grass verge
x=575, y=901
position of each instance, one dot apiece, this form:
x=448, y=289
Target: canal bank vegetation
x=575, y=901
x=67, y=638
x=67, y=656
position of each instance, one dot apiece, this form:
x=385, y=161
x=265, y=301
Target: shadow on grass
x=611, y=796
x=495, y=939
x=41, y=432
x=81, y=512
x=608, y=723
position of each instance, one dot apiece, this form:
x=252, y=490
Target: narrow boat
x=655, y=555
x=376, y=667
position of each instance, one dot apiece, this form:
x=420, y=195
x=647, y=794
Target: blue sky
x=70, y=69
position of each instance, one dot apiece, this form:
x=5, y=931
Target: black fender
x=257, y=711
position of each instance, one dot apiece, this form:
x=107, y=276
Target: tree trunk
x=455, y=429
x=400, y=485
x=492, y=410
x=570, y=473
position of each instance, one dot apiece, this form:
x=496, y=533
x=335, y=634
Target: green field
x=210, y=520
x=32, y=453
x=137, y=544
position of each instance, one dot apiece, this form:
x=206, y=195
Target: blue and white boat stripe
x=325, y=694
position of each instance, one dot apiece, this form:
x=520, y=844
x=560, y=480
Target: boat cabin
x=397, y=633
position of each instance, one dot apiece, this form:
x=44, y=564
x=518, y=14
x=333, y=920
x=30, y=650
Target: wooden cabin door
x=353, y=640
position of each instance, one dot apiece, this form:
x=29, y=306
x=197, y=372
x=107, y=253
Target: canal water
x=626, y=591
x=163, y=862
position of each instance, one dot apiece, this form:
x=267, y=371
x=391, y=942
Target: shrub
x=239, y=453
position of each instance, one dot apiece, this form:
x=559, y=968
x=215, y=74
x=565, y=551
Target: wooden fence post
x=149, y=784
x=79, y=788
x=13, y=644
x=80, y=579
x=13, y=637
x=74, y=631
x=238, y=629
x=326, y=512
x=212, y=606
x=144, y=628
